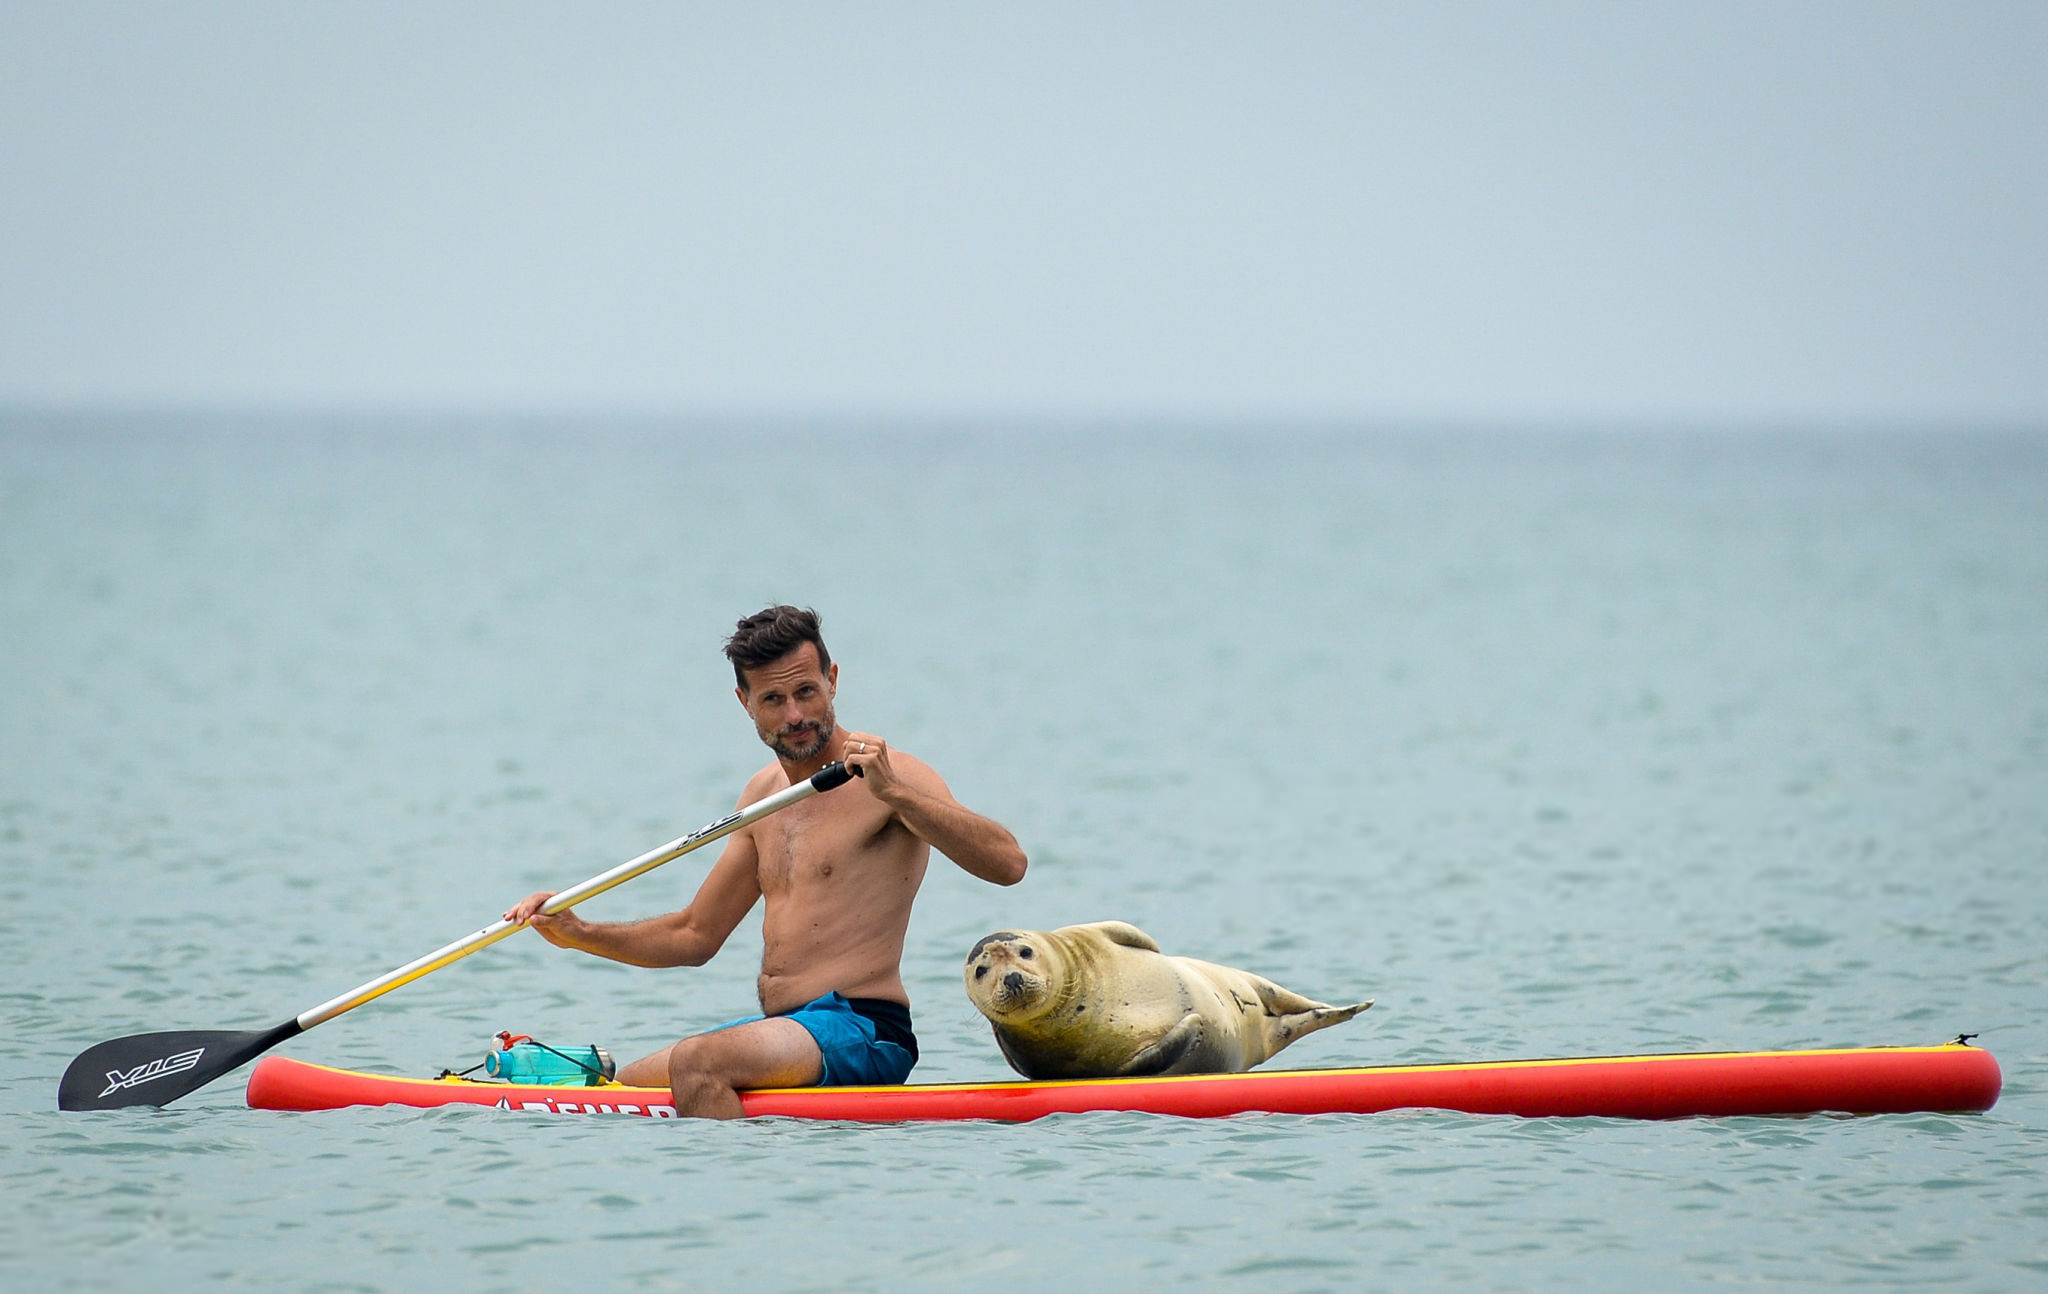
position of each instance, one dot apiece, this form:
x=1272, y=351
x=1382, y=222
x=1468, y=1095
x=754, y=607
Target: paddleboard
x=1952, y=1078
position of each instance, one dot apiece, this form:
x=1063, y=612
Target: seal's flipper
x=1179, y=1052
x=1123, y=932
x=1283, y=1001
x=1286, y=1028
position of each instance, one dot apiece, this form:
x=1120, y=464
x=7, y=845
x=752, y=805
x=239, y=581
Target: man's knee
x=695, y=1059
x=765, y=1053
x=699, y=1080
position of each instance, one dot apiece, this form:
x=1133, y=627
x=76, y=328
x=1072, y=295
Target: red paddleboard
x=1953, y=1078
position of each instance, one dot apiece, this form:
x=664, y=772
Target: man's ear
x=832, y=679
x=741, y=693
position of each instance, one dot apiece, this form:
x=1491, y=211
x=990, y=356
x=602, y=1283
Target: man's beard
x=813, y=738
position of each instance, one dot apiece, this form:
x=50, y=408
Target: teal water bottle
x=522, y=1060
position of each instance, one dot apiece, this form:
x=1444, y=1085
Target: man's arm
x=686, y=938
x=981, y=846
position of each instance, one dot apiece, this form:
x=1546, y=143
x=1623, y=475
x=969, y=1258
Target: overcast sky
x=1499, y=211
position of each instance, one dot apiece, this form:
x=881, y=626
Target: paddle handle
x=832, y=775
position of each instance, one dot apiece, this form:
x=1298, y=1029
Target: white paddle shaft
x=830, y=776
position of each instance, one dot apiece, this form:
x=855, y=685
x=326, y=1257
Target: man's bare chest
x=831, y=843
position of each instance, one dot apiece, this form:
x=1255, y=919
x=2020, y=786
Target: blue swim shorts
x=866, y=1042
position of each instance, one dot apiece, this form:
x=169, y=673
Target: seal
x=1101, y=1001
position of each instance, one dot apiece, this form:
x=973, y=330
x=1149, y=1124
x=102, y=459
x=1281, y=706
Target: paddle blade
x=158, y=1068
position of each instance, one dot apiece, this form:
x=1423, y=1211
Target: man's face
x=790, y=701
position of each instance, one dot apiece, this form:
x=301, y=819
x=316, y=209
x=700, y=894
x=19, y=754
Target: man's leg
x=706, y=1072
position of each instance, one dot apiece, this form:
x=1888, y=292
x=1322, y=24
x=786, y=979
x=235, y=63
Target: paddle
x=158, y=1068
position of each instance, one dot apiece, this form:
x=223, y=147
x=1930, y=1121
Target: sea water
x=1554, y=741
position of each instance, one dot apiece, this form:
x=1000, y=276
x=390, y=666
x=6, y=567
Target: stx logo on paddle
x=155, y=1069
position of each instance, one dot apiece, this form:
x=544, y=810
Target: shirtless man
x=838, y=871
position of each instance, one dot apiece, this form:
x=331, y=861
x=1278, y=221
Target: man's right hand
x=561, y=929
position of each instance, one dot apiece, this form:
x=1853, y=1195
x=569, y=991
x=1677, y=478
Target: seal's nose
x=1013, y=981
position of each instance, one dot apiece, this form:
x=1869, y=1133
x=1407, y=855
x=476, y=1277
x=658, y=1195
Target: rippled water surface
x=1553, y=743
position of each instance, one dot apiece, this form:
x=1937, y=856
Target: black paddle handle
x=832, y=776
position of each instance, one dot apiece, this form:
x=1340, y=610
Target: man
x=838, y=872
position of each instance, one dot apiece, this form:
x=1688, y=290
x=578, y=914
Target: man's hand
x=563, y=930
x=981, y=846
x=867, y=757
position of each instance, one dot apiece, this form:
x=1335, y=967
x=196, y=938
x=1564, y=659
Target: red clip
x=505, y=1040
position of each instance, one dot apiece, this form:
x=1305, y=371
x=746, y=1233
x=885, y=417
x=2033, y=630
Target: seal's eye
x=981, y=972
x=1025, y=953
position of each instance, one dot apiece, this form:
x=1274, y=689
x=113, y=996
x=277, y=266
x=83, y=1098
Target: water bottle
x=522, y=1060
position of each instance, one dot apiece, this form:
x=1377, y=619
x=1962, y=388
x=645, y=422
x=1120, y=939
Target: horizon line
x=625, y=417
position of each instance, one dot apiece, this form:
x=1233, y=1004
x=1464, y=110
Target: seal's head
x=1012, y=976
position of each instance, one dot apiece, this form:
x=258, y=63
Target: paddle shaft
x=825, y=779
x=158, y=1068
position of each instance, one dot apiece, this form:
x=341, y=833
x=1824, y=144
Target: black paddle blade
x=158, y=1068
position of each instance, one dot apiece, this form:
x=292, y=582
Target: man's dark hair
x=767, y=636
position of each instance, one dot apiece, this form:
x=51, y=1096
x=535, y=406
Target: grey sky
x=1611, y=211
